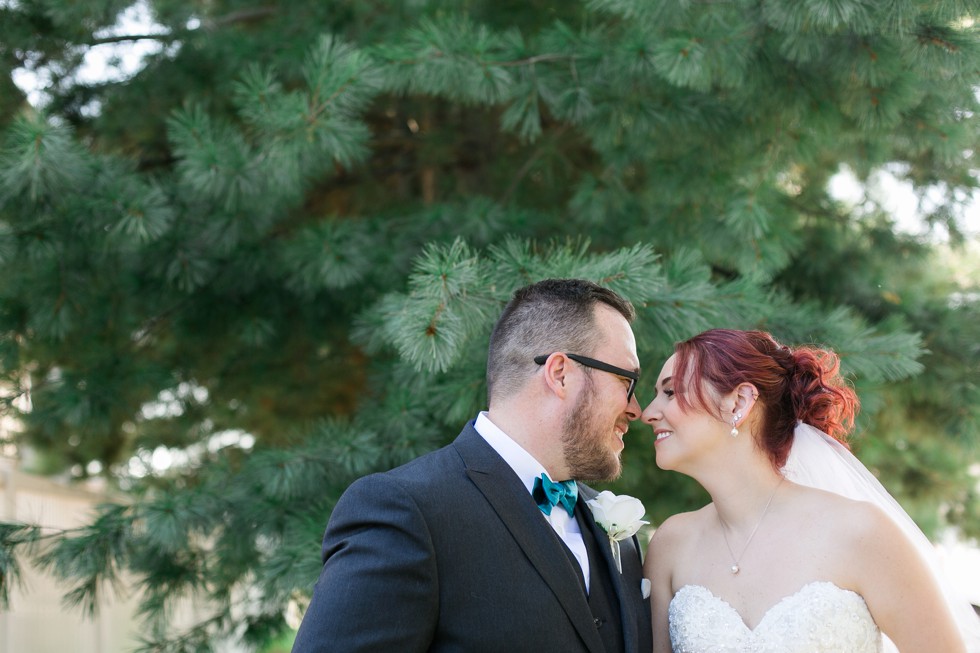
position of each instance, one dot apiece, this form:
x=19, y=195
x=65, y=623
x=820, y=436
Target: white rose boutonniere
x=620, y=516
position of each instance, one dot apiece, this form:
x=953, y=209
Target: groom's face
x=594, y=428
x=590, y=456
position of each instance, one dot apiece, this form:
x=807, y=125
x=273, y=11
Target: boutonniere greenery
x=621, y=516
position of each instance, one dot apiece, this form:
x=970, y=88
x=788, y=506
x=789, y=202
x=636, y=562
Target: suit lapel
x=510, y=500
x=605, y=551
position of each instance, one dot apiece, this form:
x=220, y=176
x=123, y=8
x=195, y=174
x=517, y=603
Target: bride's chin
x=663, y=462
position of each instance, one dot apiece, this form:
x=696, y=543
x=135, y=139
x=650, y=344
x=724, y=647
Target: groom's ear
x=555, y=370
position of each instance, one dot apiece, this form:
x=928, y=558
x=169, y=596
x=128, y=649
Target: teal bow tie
x=548, y=494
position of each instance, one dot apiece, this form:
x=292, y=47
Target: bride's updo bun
x=821, y=396
x=794, y=384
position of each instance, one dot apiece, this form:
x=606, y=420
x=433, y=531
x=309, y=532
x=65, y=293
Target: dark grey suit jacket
x=449, y=553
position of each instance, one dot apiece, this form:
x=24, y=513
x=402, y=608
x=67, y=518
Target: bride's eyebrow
x=665, y=381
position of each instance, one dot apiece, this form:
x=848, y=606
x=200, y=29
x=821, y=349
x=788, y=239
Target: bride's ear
x=737, y=405
x=745, y=398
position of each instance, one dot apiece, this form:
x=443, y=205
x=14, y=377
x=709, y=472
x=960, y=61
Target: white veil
x=817, y=460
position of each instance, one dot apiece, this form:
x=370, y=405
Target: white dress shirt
x=528, y=469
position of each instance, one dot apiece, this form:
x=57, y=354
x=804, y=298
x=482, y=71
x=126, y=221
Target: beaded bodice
x=819, y=618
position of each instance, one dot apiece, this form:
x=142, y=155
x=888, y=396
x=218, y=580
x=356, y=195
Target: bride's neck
x=739, y=496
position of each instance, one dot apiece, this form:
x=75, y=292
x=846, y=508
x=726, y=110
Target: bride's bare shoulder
x=679, y=528
x=842, y=515
x=826, y=500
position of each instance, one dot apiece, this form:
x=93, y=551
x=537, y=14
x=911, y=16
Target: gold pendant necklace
x=735, y=568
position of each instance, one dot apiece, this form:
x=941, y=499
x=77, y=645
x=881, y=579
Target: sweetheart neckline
x=765, y=615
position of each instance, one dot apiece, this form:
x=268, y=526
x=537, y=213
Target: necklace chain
x=735, y=568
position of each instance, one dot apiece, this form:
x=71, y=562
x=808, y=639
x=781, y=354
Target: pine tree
x=292, y=230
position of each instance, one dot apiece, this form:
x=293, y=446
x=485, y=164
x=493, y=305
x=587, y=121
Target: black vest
x=602, y=595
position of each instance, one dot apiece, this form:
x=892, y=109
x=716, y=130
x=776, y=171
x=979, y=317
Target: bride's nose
x=651, y=414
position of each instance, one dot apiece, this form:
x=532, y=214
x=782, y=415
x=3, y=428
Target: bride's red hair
x=801, y=384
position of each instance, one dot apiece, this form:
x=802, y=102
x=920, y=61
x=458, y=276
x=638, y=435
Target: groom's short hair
x=542, y=318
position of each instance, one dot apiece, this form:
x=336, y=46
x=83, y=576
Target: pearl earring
x=737, y=417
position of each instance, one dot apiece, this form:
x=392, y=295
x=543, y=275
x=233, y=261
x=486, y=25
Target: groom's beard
x=586, y=443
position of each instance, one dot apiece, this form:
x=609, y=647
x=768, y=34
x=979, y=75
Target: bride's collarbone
x=777, y=563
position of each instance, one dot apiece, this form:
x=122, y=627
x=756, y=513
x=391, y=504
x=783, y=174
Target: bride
x=774, y=563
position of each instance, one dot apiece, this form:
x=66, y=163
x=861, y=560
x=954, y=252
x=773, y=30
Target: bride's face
x=683, y=435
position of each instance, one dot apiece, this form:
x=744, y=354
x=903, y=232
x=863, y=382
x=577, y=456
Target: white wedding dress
x=819, y=618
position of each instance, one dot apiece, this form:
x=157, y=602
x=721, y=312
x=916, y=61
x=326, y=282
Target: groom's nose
x=633, y=408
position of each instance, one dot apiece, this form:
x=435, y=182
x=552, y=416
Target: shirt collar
x=524, y=464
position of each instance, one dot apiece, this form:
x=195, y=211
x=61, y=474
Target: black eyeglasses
x=599, y=365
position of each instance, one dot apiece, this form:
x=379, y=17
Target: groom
x=479, y=546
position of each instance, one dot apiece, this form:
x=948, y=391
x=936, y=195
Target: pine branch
x=527, y=166
x=165, y=37
x=91, y=556
x=242, y=15
x=209, y=24
x=17, y=540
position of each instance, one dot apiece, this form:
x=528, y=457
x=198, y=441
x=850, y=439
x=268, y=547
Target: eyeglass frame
x=603, y=367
